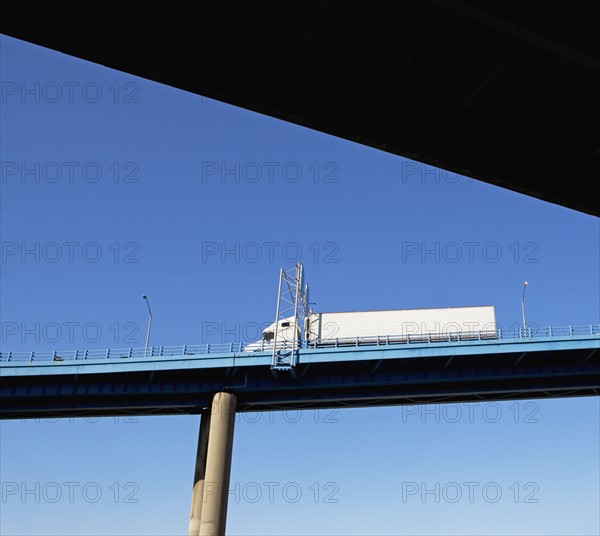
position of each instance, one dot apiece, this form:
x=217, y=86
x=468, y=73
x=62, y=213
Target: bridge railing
x=124, y=353
x=515, y=334
x=459, y=336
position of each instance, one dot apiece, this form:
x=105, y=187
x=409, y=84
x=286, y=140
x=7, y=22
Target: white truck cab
x=286, y=335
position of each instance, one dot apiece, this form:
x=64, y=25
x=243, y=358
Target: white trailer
x=401, y=322
x=395, y=326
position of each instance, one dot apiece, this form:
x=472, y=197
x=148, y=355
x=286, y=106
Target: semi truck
x=375, y=327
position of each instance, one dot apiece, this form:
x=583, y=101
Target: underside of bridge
x=501, y=91
x=364, y=379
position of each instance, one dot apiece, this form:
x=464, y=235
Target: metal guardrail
x=124, y=353
x=238, y=347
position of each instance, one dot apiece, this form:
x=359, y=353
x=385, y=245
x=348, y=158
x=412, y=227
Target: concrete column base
x=199, y=474
x=215, y=492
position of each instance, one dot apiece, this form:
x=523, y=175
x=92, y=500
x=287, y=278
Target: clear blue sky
x=113, y=186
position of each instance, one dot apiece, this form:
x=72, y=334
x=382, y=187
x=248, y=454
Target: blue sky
x=113, y=186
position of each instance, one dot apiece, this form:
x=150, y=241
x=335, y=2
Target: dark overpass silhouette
x=502, y=91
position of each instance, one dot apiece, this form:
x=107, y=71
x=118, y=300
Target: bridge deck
x=551, y=363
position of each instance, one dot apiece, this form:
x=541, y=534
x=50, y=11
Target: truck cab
x=287, y=333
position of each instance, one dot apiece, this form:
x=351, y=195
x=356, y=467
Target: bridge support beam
x=215, y=488
x=199, y=474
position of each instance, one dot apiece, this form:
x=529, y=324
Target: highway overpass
x=502, y=91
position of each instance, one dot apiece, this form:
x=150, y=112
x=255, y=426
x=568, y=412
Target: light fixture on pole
x=149, y=325
x=523, y=309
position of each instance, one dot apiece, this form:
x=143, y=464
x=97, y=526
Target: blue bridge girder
x=385, y=372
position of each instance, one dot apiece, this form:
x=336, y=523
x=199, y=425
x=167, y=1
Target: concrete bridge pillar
x=213, y=468
x=199, y=474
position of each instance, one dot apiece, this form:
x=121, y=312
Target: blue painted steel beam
x=325, y=377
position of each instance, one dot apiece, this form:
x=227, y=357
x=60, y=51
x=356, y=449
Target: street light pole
x=149, y=325
x=523, y=309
